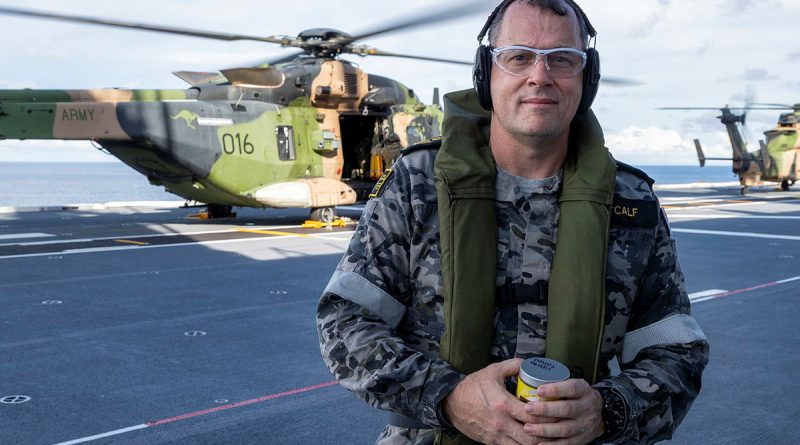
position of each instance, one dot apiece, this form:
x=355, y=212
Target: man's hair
x=557, y=6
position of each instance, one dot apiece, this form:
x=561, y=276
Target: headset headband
x=589, y=28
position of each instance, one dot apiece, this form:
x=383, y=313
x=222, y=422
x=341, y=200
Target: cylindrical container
x=535, y=372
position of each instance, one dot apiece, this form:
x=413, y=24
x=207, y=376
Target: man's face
x=535, y=105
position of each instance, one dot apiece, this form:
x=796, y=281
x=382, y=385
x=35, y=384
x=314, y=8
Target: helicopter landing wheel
x=220, y=211
x=785, y=185
x=323, y=214
x=744, y=190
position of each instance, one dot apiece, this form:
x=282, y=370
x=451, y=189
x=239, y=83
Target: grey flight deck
x=139, y=325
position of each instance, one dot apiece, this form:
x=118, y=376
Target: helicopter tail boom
x=70, y=114
x=702, y=157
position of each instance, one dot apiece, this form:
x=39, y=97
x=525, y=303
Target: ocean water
x=36, y=184
x=688, y=174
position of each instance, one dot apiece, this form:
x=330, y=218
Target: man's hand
x=579, y=411
x=482, y=409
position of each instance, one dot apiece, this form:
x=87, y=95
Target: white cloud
x=659, y=146
x=735, y=7
x=793, y=57
x=753, y=75
x=650, y=24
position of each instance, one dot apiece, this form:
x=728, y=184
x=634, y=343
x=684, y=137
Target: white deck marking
x=25, y=235
x=103, y=435
x=151, y=235
x=327, y=236
x=204, y=412
x=677, y=199
x=707, y=204
x=739, y=234
x=748, y=289
x=728, y=216
x=788, y=280
x=706, y=293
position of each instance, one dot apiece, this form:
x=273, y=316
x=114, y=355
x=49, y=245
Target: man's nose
x=539, y=73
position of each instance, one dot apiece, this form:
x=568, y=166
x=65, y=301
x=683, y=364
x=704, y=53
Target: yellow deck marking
x=125, y=241
x=273, y=232
x=310, y=224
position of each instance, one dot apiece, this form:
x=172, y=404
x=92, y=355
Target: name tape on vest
x=633, y=212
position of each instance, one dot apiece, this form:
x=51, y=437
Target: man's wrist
x=616, y=414
x=443, y=416
x=444, y=391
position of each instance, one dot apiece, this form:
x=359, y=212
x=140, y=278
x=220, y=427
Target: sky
x=684, y=52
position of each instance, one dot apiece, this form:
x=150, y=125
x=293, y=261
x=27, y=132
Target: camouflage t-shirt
x=527, y=222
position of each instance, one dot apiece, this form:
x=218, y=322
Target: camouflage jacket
x=380, y=318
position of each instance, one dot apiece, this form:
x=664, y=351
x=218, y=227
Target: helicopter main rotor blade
x=140, y=26
x=277, y=59
x=619, y=81
x=443, y=15
x=781, y=106
x=377, y=52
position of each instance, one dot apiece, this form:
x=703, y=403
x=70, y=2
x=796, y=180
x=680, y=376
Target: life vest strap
x=518, y=293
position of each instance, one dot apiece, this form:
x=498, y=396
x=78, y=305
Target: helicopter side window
x=415, y=134
x=285, y=143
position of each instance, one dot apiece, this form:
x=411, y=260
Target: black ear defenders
x=482, y=68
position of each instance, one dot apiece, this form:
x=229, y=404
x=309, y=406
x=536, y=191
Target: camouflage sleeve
x=365, y=301
x=664, y=350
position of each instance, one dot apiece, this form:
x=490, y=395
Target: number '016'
x=234, y=143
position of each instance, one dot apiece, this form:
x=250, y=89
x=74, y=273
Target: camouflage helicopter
x=308, y=130
x=776, y=159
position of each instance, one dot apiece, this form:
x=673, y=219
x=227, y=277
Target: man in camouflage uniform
x=381, y=319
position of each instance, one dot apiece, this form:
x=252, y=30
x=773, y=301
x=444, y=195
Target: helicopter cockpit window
x=285, y=143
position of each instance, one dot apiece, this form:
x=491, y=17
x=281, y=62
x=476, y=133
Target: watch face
x=614, y=412
x=618, y=410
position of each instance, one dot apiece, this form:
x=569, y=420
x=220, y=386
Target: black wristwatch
x=615, y=413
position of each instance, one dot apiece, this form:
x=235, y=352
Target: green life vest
x=465, y=185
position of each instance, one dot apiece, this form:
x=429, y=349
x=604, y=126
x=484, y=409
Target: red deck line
x=238, y=404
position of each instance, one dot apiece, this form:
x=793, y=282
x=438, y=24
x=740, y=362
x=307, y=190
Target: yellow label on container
x=527, y=393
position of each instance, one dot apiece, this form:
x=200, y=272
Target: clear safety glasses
x=518, y=60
